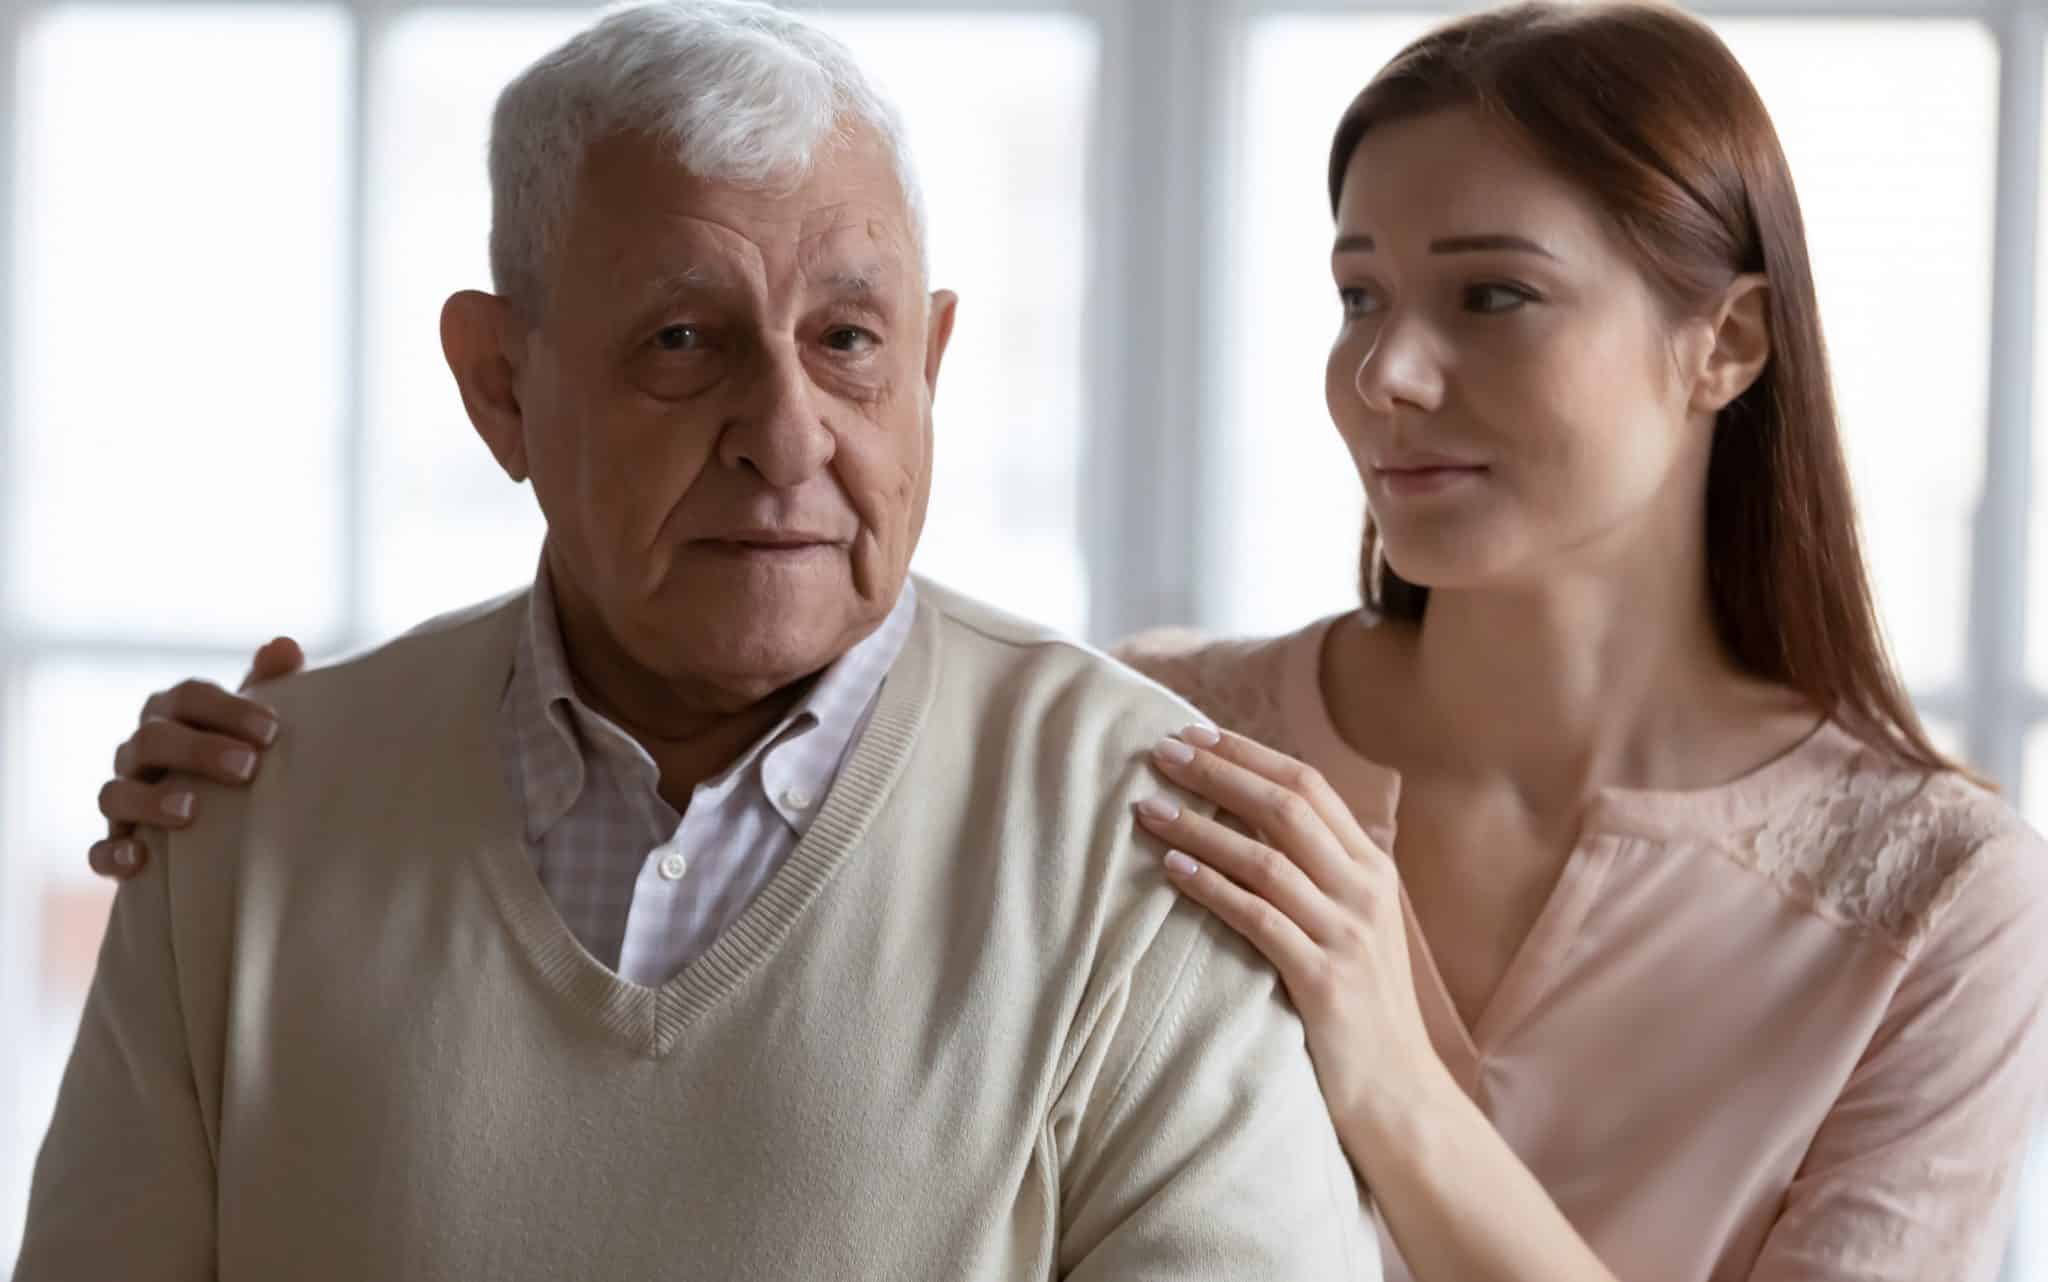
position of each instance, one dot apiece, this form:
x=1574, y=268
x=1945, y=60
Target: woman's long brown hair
x=1646, y=109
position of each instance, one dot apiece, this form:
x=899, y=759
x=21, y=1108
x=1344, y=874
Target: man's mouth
x=779, y=544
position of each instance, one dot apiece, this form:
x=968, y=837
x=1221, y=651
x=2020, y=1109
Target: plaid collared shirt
x=644, y=889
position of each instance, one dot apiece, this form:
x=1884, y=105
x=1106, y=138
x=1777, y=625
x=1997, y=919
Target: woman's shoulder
x=1880, y=845
x=1240, y=683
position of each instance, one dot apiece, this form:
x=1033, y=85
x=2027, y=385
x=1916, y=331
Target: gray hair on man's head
x=749, y=95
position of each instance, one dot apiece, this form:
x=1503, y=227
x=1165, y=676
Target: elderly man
x=727, y=905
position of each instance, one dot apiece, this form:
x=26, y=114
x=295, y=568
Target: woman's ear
x=1741, y=344
x=478, y=339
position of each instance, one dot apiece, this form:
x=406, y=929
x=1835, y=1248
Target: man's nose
x=778, y=429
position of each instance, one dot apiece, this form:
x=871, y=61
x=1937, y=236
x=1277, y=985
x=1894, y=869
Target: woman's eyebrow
x=1494, y=242
x=1359, y=243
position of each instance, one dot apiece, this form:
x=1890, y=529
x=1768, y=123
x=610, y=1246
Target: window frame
x=1163, y=144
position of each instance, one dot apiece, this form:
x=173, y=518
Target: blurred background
x=226, y=227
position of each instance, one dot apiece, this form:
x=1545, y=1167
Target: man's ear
x=479, y=338
x=938, y=332
x=1742, y=343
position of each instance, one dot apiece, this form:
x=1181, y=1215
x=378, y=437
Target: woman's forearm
x=1458, y=1202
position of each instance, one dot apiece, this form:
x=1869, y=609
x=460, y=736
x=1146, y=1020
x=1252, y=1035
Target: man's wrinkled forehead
x=857, y=262
x=845, y=221
x=854, y=251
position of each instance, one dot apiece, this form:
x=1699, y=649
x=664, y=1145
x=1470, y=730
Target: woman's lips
x=1420, y=482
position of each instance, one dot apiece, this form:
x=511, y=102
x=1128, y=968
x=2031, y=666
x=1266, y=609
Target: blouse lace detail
x=1237, y=684
x=1873, y=845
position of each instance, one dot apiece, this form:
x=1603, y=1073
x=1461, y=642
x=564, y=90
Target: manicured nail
x=124, y=856
x=1173, y=752
x=1159, y=810
x=1201, y=735
x=239, y=762
x=179, y=804
x=1179, y=865
x=265, y=730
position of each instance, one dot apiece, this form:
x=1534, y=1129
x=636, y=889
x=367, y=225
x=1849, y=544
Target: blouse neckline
x=1374, y=790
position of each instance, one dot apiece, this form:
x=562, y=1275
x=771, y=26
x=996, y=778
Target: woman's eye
x=679, y=338
x=849, y=338
x=1357, y=301
x=1495, y=298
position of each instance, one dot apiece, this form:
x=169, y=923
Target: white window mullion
x=2001, y=700
x=371, y=17
x=1998, y=587
x=1162, y=126
x=17, y=983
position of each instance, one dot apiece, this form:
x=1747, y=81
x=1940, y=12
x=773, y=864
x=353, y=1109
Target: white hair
x=748, y=94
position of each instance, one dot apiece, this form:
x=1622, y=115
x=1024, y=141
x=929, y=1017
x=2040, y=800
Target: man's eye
x=679, y=338
x=849, y=338
x=1496, y=298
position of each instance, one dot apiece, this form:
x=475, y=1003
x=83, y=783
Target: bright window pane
x=52, y=910
x=178, y=378
x=1947, y=736
x=1288, y=506
x=995, y=144
x=2037, y=577
x=1889, y=129
x=2037, y=564
x=446, y=527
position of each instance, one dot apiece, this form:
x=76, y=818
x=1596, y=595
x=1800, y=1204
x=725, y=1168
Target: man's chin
x=759, y=666
x=764, y=638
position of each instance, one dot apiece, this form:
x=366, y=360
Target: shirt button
x=673, y=866
x=797, y=799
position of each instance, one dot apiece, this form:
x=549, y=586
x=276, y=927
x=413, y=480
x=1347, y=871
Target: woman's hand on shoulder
x=195, y=728
x=1305, y=885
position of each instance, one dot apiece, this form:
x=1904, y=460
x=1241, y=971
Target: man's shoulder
x=1019, y=658
x=407, y=673
x=1029, y=713
x=355, y=734
x=991, y=623
x=411, y=708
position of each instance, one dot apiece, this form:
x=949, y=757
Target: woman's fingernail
x=1173, y=752
x=265, y=730
x=1205, y=736
x=1179, y=864
x=124, y=856
x=239, y=762
x=1159, y=810
x=179, y=804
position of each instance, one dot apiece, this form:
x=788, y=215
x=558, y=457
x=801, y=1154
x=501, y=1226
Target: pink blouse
x=1786, y=1028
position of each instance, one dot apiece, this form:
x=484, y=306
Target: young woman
x=1638, y=930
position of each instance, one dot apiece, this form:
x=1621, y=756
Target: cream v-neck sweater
x=966, y=1031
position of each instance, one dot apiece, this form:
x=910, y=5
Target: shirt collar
x=555, y=732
